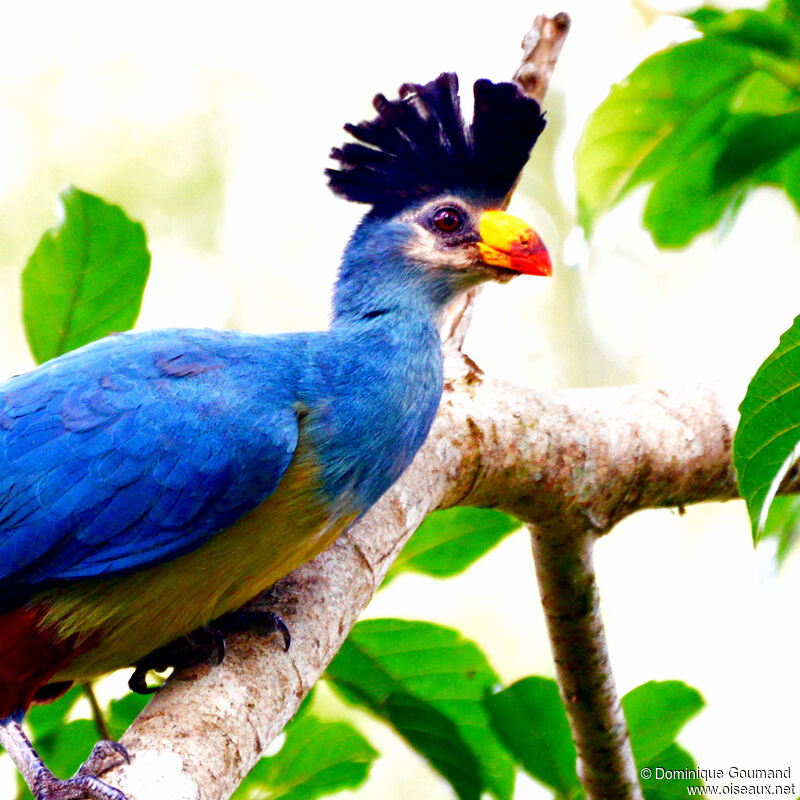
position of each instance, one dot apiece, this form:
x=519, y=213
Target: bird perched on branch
x=151, y=483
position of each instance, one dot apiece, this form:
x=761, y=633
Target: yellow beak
x=507, y=241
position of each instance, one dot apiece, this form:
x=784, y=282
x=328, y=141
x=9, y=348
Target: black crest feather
x=420, y=146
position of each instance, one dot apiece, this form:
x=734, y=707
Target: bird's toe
x=77, y=788
x=202, y=645
x=255, y=619
x=105, y=755
x=137, y=682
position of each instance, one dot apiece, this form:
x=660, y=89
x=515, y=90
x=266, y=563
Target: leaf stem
x=785, y=71
x=97, y=712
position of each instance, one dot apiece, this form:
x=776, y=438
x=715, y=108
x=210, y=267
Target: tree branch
x=540, y=48
x=571, y=603
x=594, y=455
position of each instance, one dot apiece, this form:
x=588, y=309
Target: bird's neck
x=377, y=277
x=364, y=299
x=381, y=392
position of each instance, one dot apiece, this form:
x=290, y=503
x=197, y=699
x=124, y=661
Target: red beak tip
x=535, y=263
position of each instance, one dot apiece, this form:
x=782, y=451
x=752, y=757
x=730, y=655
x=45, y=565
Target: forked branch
x=594, y=455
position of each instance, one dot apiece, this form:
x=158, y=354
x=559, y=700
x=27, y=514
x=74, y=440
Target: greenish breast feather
x=127, y=617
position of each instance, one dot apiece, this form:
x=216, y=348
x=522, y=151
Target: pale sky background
x=212, y=125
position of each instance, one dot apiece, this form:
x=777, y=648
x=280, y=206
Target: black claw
x=137, y=682
x=253, y=619
x=283, y=629
x=215, y=652
x=105, y=755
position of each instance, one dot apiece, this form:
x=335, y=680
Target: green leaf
x=789, y=177
x=656, y=712
x=764, y=447
x=701, y=122
x=654, y=120
x=437, y=737
x=85, y=278
x=66, y=748
x=449, y=541
x=318, y=758
x=665, y=780
x=783, y=524
x=63, y=745
x=764, y=95
x=757, y=142
x=530, y=719
x=123, y=711
x=46, y=718
x=684, y=201
x=784, y=10
x=758, y=29
x=429, y=684
x=704, y=16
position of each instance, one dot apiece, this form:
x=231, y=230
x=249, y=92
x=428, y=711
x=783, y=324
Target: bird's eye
x=448, y=220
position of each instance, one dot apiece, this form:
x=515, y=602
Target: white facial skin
x=444, y=236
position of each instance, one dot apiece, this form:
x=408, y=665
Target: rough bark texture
x=571, y=603
x=591, y=455
x=540, y=50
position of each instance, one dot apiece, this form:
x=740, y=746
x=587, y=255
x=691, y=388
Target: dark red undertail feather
x=29, y=657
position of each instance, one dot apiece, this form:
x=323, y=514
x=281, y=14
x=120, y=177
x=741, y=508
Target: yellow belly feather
x=131, y=615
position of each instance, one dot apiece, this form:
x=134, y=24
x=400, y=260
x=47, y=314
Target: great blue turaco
x=151, y=483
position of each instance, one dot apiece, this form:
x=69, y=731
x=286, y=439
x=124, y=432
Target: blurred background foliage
x=212, y=130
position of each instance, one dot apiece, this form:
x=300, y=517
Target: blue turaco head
x=437, y=188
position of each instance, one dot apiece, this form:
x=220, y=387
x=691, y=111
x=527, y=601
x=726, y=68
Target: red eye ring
x=448, y=220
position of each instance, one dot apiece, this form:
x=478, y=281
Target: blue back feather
x=136, y=449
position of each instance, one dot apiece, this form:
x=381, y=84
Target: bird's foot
x=206, y=645
x=253, y=619
x=44, y=785
x=48, y=787
x=105, y=755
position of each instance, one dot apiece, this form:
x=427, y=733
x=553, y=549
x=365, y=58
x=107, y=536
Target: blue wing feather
x=136, y=449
